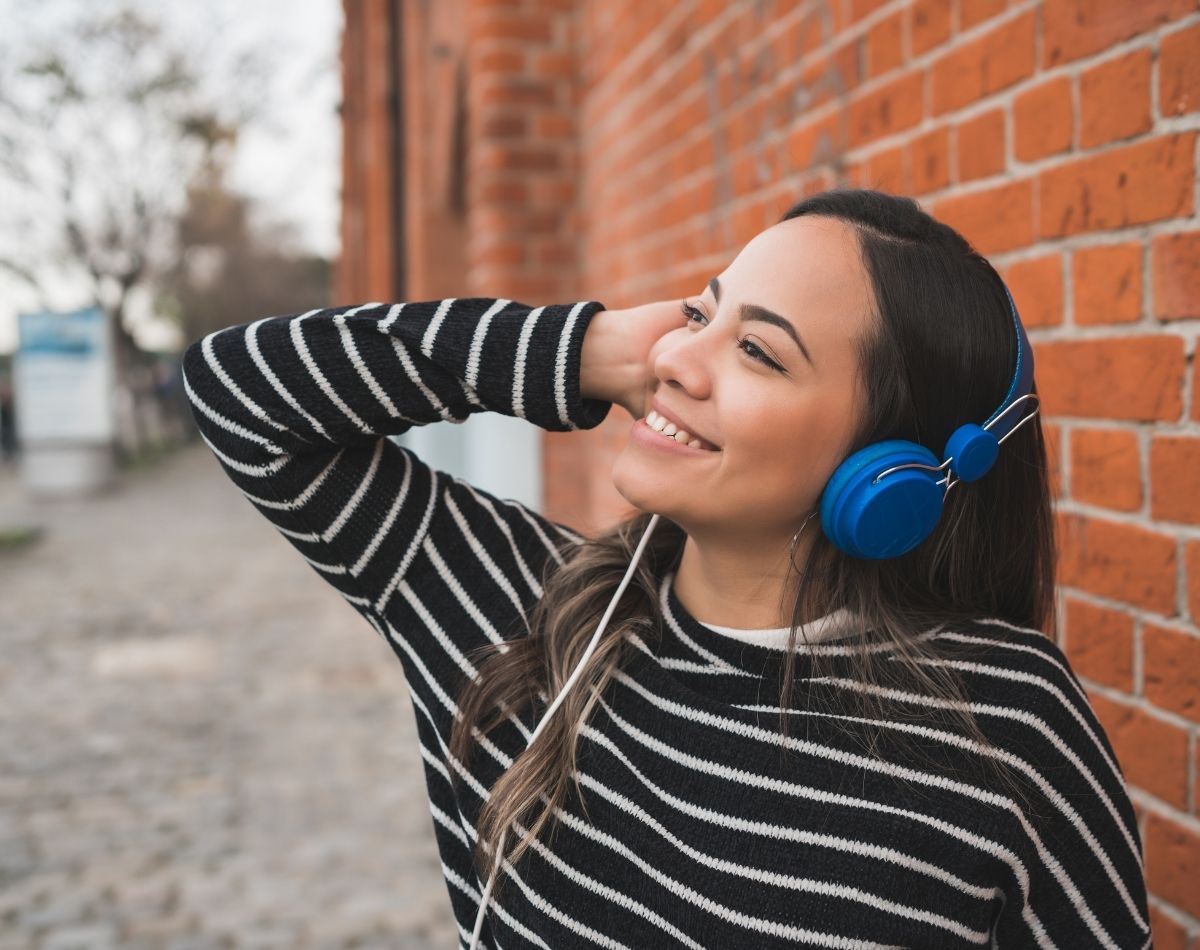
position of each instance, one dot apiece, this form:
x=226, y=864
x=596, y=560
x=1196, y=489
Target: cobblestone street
x=201, y=744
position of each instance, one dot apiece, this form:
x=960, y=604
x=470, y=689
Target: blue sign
x=77, y=333
x=63, y=377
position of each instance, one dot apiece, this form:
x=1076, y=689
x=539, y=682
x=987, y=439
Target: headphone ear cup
x=888, y=518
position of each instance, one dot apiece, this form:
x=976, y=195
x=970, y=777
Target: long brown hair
x=940, y=353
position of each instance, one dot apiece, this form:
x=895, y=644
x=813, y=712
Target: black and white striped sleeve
x=298, y=409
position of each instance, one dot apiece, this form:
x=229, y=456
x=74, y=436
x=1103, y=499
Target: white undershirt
x=828, y=627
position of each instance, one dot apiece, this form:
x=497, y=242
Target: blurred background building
x=551, y=150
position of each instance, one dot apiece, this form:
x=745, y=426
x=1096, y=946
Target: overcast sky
x=290, y=163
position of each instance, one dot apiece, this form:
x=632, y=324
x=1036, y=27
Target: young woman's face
x=779, y=430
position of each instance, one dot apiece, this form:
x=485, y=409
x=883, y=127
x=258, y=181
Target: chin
x=649, y=491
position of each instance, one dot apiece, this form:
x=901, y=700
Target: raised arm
x=297, y=410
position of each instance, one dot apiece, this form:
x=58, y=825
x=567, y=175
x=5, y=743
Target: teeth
x=659, y=424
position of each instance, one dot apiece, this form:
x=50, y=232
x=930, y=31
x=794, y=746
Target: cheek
x=787, y=452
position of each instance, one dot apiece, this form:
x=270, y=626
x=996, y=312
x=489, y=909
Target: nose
x=685, y=360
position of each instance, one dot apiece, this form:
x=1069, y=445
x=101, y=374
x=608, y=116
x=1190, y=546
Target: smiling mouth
x=655, y=423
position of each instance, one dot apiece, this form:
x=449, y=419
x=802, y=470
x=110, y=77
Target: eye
x=744, y=345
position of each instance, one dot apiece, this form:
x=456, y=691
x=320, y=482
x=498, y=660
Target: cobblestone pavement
x=201, y=744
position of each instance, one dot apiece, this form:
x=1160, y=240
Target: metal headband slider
x=937, y=468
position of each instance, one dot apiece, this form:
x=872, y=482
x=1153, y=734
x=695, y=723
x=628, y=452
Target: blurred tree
x=102, y=123
x=235, y=267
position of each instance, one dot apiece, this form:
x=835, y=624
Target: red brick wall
x=625, y=151
x=432, y=167
x=367, y=268
x=524, y=174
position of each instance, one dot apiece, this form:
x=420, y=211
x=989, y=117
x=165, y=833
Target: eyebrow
x=752, y=311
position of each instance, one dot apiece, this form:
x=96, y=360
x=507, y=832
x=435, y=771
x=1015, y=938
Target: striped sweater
x=698, y=832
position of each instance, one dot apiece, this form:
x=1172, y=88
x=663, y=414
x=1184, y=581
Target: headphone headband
x=1022, y=380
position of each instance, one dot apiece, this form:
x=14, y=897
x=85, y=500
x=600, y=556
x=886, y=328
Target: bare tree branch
x=102, y=125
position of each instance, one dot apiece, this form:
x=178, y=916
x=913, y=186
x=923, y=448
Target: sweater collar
x=687, y=644
x=832, y=626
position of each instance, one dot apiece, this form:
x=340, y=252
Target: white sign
x=63, y=377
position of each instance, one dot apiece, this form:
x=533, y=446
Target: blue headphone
x=886, y=498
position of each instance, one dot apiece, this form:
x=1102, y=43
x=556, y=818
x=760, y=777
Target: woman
x=757, y=737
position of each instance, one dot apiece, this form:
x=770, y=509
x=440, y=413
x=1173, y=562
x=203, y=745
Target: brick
x=1192, y=562
x=1171, y=670
x=1107, y=280
x=973, y=12
x=709, y=11
x=853, y=174
x=508, y=252
x=499, y=60
x=536, y=221
x=930, y=24
x=832, y=74
x=550, y=65
x=1100, y=643
x=1148, y=181
x=1175, y=275
x=502, y=24
x=930, y=160
x=501, y=90
x=1150, y=752
x=498, y=156
x=888, y=170
x=1172, y=862
x=1179, y=72
x=1106, y=468
x=980, y=145
x=1137, y=378
x=1075, y=28
x=1037, y=290
x=555, y=254
x=501, y=192
x=1174, y=463
x=1125, y=562
x=747, y=221
x=554, y=126
x=994, y=220
x=1114, y=99
x=1042, y=120
x=895, y=106
x=811, y=143
x=985, y=65
x=885, y=49
x=504, y=126
x=1166, y=933
x=862, y=8
x=1196, y=801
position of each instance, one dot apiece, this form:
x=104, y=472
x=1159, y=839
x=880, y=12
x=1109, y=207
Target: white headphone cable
x=591, y=648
